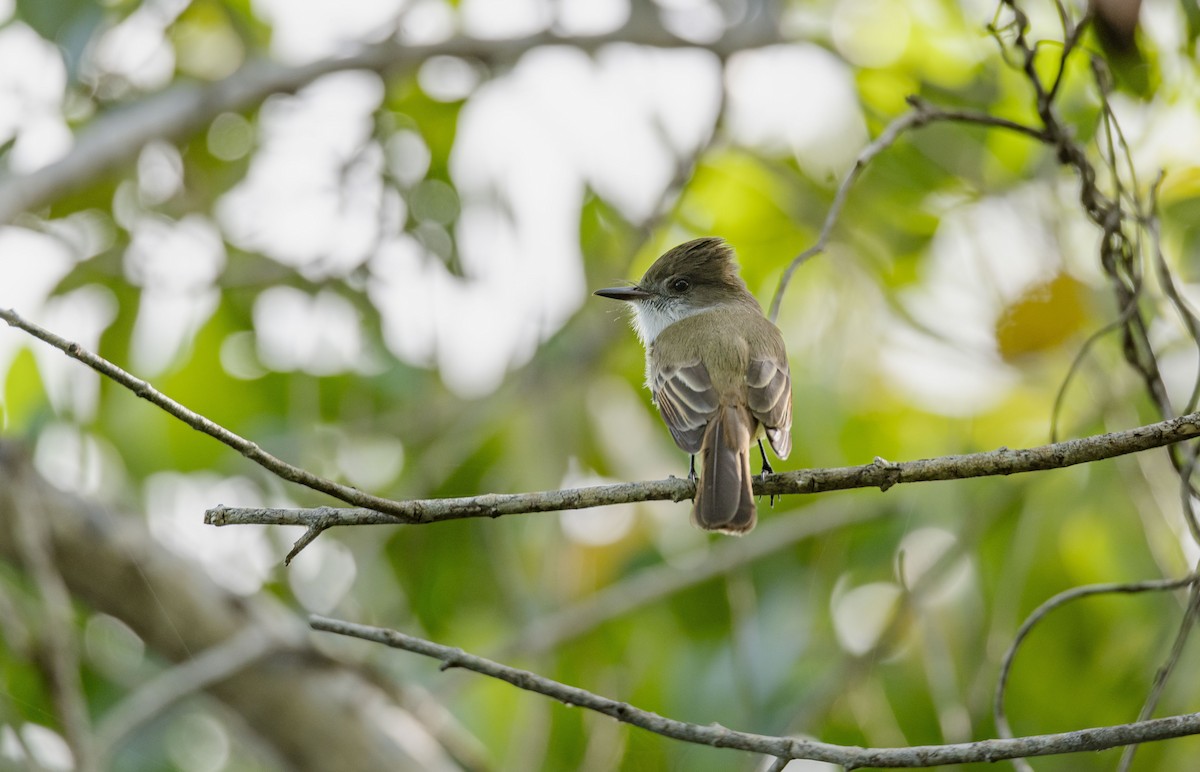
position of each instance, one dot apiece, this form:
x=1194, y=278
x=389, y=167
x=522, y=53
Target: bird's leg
x=766, y=470
x=766, y=467
x=692, y=468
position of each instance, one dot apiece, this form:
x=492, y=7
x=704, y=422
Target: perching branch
x=717, y=736
x=878, y=474
x=375, y=510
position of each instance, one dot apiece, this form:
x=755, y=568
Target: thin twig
x=1186, y=625
x=200, y=423
x=921, y=114
x=1075, y=593
x=717, y=736
x=885, y=140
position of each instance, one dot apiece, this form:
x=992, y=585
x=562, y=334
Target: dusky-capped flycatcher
x=718, y=371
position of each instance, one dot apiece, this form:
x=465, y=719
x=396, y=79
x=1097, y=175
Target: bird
x=717, y=370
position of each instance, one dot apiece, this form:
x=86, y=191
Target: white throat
x=650, y=318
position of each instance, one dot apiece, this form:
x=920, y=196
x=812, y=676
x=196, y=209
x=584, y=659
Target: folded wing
x=769, y=397
x=687, y=401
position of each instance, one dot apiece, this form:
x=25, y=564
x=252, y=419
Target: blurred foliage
x=959, y=285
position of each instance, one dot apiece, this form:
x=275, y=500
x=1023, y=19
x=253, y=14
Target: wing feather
x=769, y=397
x=687, y=401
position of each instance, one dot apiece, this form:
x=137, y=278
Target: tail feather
x=724, y=497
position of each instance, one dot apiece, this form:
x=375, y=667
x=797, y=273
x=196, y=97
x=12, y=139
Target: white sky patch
x=136, y=49
x=922, y=549
x=982, y=258
x=32, y=80
x=308, y=30
x=177, y=265
x=871, y=33
x=48, y=748
x=427, y=21
x=489, y=20
x=1161, y=137
x=534, y=138
x=798, y=98
x=323, y=576
x=174, y=504
x=312, y=196
x=319, y=334
x=80, y=316
x=590, y=17
x=861, y=614
x=80, y=462
x=369, y=461
x=160, y=173
x=447, y=78
x=32, y=264
x=699, y=21
x=404, y=285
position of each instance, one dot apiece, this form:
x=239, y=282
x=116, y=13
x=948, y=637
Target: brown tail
x=724, y=498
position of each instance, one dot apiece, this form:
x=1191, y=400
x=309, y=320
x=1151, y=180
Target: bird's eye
x=681, y=285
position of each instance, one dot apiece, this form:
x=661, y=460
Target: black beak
x=623, y=293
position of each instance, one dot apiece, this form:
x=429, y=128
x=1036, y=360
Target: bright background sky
x=530, y=143
x=537, y=135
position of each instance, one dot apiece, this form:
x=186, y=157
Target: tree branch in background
x=1124, y=220
x=116, y=138
x=315, y=712
x=1186, y=626
x=1042, y=611
x=196, y=674
x=56, y=635
x=717, y=736
x=660, y=581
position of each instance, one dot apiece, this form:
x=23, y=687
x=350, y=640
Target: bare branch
x=717, y=736
x=878, y=474
x=198, y=422
x=372, y=509
x=311, y=711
